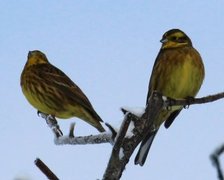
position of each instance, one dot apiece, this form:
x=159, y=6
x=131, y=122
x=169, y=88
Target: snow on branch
x=127, y=145
x=61, y=139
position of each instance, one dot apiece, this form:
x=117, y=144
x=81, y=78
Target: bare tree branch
x=45, y=170
x=167, y=102
x=117, y=164
x=191, y=101
x=215, y=160
x=124, y=145
x=142, y=125
x=114, y=165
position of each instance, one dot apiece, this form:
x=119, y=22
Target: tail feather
x=91, y=117
x=144, y=148
x=100, y=128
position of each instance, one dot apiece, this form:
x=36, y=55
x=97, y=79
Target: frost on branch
x=82, y=140
x=71, y=138
x=137, y=111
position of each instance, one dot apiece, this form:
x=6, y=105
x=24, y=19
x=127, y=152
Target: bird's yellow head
x=36, y=57
x=175, y=38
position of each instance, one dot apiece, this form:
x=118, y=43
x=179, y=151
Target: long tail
x=144, y=148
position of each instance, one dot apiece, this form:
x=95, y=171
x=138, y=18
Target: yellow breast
x=179, y=76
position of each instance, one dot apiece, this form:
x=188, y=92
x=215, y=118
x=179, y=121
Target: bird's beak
x=164, y=40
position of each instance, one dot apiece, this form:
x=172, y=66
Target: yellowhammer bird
x=52, y=92
x=178, y=72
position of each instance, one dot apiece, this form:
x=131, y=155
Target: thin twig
x=45, y=170
x=71, y=131
x=191, y=101
x=215, y=160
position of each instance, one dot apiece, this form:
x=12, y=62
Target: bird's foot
x=113, y=132
x=51, y=122
x=189, y=99
x=168, y=102
x=154, y=129
x=40, y=114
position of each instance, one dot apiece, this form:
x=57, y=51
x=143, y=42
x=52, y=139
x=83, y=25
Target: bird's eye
x=173, y=38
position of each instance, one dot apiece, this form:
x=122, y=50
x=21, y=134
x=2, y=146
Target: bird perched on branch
x=178, y=73
x=52, y=92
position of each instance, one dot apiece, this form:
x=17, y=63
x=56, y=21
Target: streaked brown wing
x=64, y=85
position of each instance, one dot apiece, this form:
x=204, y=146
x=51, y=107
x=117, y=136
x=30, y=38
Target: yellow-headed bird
x=52, y=92
x=178, y=72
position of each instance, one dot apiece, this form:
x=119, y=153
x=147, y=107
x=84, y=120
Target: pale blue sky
x=108, y=48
